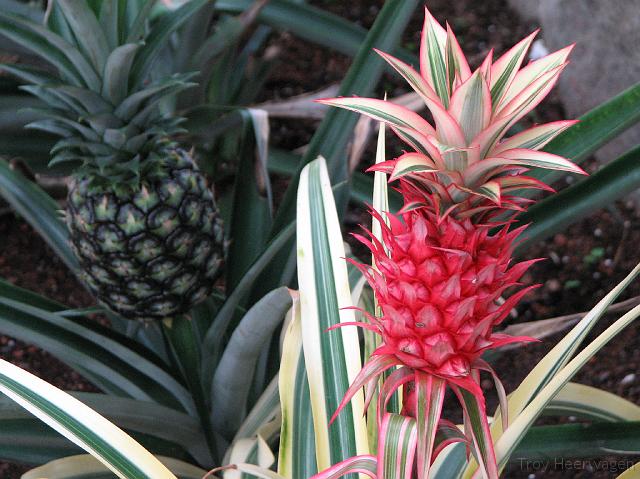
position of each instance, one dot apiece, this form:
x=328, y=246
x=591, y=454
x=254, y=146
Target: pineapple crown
x=461, y=165
x=100, y=96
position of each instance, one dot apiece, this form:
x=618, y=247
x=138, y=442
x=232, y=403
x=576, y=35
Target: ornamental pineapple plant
x=142, y=219
x=443, y=264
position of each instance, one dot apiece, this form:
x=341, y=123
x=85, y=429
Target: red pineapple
x=439, y=289
x=443, y=264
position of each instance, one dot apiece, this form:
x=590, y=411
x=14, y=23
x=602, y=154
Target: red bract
x=439, y=282
x=439, y=289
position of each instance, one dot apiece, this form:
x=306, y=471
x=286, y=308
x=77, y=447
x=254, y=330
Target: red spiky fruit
x=438, y=281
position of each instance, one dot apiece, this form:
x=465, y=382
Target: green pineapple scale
x=142, y=220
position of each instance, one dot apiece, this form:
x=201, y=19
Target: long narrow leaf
x=514, y=434
x=311, y=23
x=592, y=403
x=596, y=128
x=86, y=29
x=95, y=351
x=39, y=209
x=557, y=358
x=142, y=417
x=231, y=383
x=158, y=36
x=576, y=441
x=54, y=49
x=613, y=181
x=336, y=129
x=212, y=343
x=332, y=358
x=252, y=204
x=297, y=456
x=87, y=467
x=109, y=444
x=398, y=439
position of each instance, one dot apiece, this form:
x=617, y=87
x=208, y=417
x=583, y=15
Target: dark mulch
x=586, y=261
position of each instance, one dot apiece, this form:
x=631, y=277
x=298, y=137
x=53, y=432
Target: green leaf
x=29, y=74
x=134, y=104
x=136, y=15
x=595, y=129
x=55, y=21
x=228, y=32
x=84, y=466
x=332, y=358
x=138, y=417
x=52, y=48
x=611, y=182
x=579, y=441
x=159, y=34
x=334, y=133
x=252, y=202
x=87, y=31
x=231, y=382
x=103, y=356
x=32, y=146
x=215, y=335
x=39, y=209
x=115, y=449
x=110, y=14
x=297, y=453
x=312, y=24
x=116, y=72
x=183, y=338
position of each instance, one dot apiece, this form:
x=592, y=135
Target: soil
x=586, y=260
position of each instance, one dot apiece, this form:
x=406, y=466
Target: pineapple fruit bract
x=444, y=262
x=142, y=220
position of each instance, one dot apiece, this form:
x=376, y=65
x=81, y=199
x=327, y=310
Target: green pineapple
x=141, y=217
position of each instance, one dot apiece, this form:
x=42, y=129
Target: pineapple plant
x=141, y=217
x=444, y=262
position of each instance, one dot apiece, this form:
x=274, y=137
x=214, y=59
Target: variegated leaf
x=482, y=443
x=429, y=399
x=332, y=358
x=80, y=424
x=381, y=110
x=533, y=138
x=506, y=67
x=532, y=72
x=471, y=106
x=412, y=163
x=413, y=77
x=540, y=159
x=297, y=452
x=527, y=98
x=358, y=464
x=507, y=443
x=458, y=70
x=85, y=466
x=433, y=67
x=397, y=447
